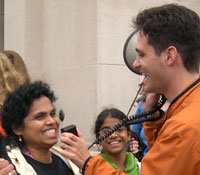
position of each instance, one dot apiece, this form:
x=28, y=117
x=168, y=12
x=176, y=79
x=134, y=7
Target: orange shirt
x=175, y=147
x=1, y=129
x=98, y=166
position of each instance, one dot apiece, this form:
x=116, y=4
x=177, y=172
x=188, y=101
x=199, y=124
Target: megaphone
x=130, y=56
x=129, y=52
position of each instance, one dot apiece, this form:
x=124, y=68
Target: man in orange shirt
x=168, y=49
x=168, y=54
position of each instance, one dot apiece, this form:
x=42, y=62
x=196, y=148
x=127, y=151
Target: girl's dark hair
x=114, y=113
x=17, y=106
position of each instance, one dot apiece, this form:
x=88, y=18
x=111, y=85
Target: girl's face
x=117, y=142
x=41, y=125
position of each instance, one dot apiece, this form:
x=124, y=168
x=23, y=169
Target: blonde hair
x=10, y=79
x=18, y=64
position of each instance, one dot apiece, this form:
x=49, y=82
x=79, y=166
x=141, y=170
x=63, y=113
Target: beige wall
x=76, y=46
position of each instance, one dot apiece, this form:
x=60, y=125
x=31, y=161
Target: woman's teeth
x=51, y=131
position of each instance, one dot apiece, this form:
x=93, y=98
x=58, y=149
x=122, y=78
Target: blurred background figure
x=18, y=64
x=139, y=130
x=13, y=74
x=10, y=79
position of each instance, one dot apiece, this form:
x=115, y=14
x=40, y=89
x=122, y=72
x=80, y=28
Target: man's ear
x=171, y=55
x=18, y=130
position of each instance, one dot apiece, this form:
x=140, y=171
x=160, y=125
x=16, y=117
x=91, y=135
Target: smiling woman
x=30, y=121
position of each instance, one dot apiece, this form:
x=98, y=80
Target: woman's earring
x=20, y=138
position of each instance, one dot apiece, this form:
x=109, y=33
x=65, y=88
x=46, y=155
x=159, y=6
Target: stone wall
x=77, y=47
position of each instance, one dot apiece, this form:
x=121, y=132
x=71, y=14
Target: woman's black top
x=56, y=167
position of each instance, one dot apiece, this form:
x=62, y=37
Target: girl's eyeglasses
x=105, y=130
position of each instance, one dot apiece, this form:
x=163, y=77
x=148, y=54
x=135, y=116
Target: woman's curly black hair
x=17, y=106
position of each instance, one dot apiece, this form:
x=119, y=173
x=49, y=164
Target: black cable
x=129, y=120
x=135, y=97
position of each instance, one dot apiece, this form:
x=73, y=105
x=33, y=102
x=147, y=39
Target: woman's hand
x=74, y=148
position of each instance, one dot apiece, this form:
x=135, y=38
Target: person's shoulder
x=61, y=165
x=183, y=131
x=55, y=150
x=56, y=157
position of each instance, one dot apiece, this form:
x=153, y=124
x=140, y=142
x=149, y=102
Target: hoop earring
x=20, y=138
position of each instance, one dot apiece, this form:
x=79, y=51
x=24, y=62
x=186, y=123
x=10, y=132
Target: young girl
x=115, y=145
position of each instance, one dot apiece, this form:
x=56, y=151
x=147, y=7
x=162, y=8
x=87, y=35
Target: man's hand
x=150, y=101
